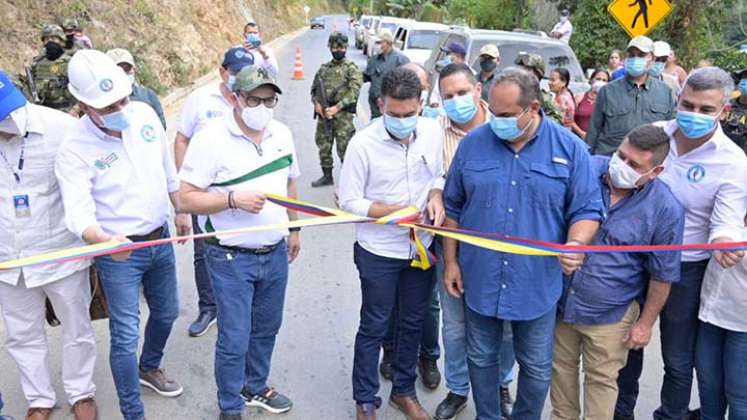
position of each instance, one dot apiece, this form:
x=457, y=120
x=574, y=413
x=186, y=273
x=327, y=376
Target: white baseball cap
x=643, y=43
x=662, y=49
x=121, y=55
x=96, y=80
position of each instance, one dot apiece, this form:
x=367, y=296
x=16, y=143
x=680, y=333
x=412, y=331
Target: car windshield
x=423, y=39
x=555, y=56
x=317, y=20
x=388, y=25
x=365, y=22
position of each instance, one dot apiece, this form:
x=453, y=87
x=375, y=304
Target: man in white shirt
x=229, y=166
x=707, y=173
x=393, y=163
x=262, y=54
x=30, y=136
x=116, y=177
x=208, y=103
x=563, y=29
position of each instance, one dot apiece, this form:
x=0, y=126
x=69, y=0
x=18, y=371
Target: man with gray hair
x=707, y=173
x=525, y=176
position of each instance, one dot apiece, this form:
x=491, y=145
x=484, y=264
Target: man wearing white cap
x=30, y=136
x=116, y=176
x=140, y=93
x=489, y=59
x=661, y=55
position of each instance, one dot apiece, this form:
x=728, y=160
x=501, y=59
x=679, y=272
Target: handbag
x=99, y=307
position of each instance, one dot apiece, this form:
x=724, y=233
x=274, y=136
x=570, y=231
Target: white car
x=416, y=40
x=384, y=22
x=363, y=25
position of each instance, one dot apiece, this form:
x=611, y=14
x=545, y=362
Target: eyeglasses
x=254, y=101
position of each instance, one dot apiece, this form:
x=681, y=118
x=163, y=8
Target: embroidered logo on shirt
x=106, y=85
x=148, y=133
x=213, y=114
x=696, y=173
x=106, y=162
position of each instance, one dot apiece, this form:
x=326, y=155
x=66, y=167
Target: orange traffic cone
x=298, y=67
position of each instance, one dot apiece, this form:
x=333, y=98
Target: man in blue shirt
x=598, y=316
x=525, y=176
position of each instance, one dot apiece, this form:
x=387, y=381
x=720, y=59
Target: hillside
x=173, y=41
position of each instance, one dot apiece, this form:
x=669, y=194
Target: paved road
x=314, y=352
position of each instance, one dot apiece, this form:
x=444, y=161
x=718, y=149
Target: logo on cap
x=148, y=133
x=106, y=85
x=696, y=173
x=239, y=54
x=2, y=85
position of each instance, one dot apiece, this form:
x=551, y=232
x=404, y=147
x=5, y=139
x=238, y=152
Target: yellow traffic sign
x=639, y=17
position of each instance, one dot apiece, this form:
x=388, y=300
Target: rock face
x=173, y=41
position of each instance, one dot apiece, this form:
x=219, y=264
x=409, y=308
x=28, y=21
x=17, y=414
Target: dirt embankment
x=173, y=41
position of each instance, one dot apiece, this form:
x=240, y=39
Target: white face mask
x=131, y=76
x=15, y=123
x=258, y=117
x=622, y=175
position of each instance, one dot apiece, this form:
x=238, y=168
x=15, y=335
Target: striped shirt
x=453, y=135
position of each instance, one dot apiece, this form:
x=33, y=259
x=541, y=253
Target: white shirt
x=203, y=105
x=564, y=28
x=711, y=183
x=221, y=153
x=43, y=230
x=380, y=169
x=121, y=184
x=723, y=296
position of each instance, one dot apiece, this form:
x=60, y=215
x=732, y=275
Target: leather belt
x=254, y=251
x=156, y=234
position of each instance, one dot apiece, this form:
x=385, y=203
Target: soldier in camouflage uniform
x=49, y=71
x=734, y=123
x=74, y=38
x=342, y=81
x=535, y=64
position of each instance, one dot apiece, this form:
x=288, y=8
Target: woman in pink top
x=559, y=80
x=585, y=103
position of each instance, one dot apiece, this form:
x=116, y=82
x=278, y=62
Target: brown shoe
x=38, y=413
x=365, y=412
x=86, y=409
x=410, y=406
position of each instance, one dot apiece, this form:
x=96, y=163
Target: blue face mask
x=431, y=112
x=400, y=128
x=461, y=109
x=743, y=87
x=656, y=69
x=254, y=40
x=636, y=66
x=443, y=62
x=694, y=125
x=116, y=121
x=507, y=128
x=231, y=81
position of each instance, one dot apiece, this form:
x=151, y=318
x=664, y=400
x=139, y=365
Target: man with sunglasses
x=116, y=176
x=205, y=104
x=229, y=166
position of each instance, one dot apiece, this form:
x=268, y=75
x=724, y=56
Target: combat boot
x=325, y=180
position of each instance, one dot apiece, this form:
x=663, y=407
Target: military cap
x=532, y=61
x=53, y=30
x=252, y=77
x=337, y=39
x=69, y=24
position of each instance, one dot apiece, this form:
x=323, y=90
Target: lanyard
x=16, y=174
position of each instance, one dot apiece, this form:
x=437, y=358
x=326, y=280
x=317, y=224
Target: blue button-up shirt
x=603, y=288
x=537, y=193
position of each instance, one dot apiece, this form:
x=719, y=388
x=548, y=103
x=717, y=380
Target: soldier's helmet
x=70, y=24
x=337, y=40
x=533, y=62
x=51, y=29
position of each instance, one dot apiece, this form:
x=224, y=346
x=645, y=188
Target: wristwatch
x=294, y=229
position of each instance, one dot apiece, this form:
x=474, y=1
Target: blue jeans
x=206, y=300
x=721, y=361
x=455, y=339
x=627, y=384
x=387, y=283
x=250, y=293
x=153, y=269
x=533, y=345
x=429, y=347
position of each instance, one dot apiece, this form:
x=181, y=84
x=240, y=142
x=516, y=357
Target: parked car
x=363, y=24
x=317, y=23
x=510, y=44
x=417, y=39
x=385, y=22
x=369, y=32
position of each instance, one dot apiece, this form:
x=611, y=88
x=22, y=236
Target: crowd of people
x=650, y=155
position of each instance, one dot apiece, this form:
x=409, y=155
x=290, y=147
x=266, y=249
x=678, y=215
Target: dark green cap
x=252, y=77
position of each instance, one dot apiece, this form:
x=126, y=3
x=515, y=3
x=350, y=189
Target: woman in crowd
x=559, y=80
x=614, y=61
x=585, y=103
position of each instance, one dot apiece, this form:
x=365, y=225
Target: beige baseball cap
x=491, y=50
x=643, y=43
x=385, y=35
x=662, y=49
x=121, y=55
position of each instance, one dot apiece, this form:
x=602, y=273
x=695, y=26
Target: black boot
x=325, y=180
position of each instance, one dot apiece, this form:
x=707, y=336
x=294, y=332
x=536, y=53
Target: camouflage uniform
x=735, y=122
x=50, y=76
x=536, y=64
x=342, y=82
x=70, y=24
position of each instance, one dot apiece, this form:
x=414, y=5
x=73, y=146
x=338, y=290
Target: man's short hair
x=708, y=78
x=525, y=80
x=251, y=25
x=455, y=68
x=401, y=83
x=651, y=138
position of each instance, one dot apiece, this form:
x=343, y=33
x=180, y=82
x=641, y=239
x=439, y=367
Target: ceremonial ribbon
x=406, y=218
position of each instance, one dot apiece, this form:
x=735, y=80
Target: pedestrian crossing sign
x=639, y=17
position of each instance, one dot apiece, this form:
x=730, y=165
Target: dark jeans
x=387, y=283
x=154, y=270
x=429, y=347
x=721, y=361
x=250, y=292
x=374, y=106
x=679, y=332
x=533, y=346
x=206, y=300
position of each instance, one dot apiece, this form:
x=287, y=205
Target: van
x=416, y=40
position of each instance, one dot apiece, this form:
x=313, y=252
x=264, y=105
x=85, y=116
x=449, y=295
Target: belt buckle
x=263, y=250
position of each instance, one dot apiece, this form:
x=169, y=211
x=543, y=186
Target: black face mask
x=53, y=50
x=69, y=41
x=338, y=55
x=488, y=65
